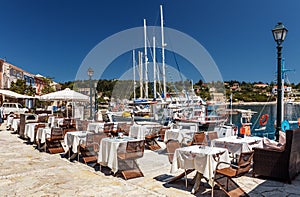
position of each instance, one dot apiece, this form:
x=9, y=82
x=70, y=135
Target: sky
x=53, y=37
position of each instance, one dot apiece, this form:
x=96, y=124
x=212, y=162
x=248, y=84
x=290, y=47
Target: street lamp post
x=279, y=33
x=90, y=73
x=96, y=103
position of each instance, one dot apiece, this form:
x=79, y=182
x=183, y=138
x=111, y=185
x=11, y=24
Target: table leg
x=197, y=179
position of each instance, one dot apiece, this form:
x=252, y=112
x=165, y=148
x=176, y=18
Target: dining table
x=109, y=149
x=55, y=121
x=184, y=136
x=42, y=133
x=72, y=140
x=141, y=131
x=236, y=145
x=29, y=131
x=15, y=124
x=202, y=159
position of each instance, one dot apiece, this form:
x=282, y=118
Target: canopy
x=14, y=94
x=65, y=95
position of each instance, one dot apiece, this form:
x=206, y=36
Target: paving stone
x=26, y=171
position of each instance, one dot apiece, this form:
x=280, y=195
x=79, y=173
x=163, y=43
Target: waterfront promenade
x=27, y=172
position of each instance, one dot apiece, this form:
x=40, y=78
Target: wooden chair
x=171, y=146
x=134, y=150
x=243, y=166
x=89, y=150
x=53, y=143
x=199, y=139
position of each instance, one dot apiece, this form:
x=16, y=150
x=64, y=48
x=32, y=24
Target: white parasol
x=65, y=95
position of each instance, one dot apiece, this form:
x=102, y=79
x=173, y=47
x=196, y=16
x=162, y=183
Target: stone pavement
x=27, y=172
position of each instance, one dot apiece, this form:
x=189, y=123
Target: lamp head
x=90, y=72
x=279, y=33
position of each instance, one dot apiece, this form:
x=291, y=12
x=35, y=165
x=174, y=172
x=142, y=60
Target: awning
x=12, y=94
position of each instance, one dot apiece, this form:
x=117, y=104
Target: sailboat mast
x=133, y=67
x=141, y=73
x=146, y=59
x=154, y=69
x=163, y=51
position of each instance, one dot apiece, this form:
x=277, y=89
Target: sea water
x=291, y=113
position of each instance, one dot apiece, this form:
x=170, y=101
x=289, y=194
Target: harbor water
x=291, y=113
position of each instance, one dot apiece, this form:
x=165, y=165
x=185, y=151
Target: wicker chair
x=108, y=128
x=243, y=166
x=134, y=150
x=89, y=150
x=151, y=142
x=53, y=143
x=282, y=164
x=199, y=139
x=36, y=127
x=162, y=132
x=211, y=135
x=171, y=146
x=124, y=128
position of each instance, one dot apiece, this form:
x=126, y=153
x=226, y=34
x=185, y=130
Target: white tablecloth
x=15, y=124
x=42, y=133
x=29, y=131
x=224, y=131
x=184, y=136
x=95, y=126
x=9, y=120
x=74, y=139
x=200, y=159
x=237, y=145
x=108, y=153
x=138, y=131
x=54, y=121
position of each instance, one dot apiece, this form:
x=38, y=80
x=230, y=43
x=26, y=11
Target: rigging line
x=178, y=68
x=156, y=21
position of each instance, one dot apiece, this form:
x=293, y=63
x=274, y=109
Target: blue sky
x=53, y=37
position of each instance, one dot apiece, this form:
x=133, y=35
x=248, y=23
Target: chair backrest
x=43, y=118
x=199, y=139
x=82, y=125
x=244, y=162
x=121, y=126
x=162, y=132
x=97, y=139
x=124, y=128
x=36, y=127
x=211, y=135
x=135, y=149
x=171, y=146
x=108, y=127
x=93, y=141
x=57, y=133
x=69, y=130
